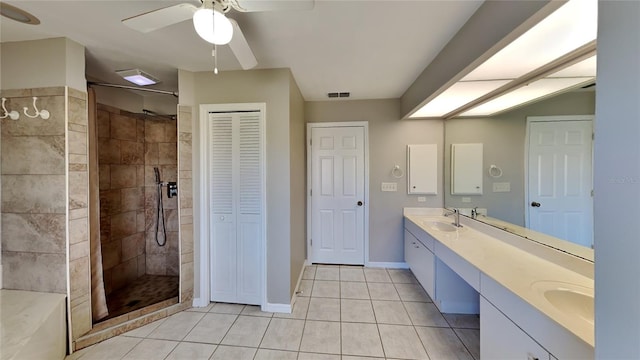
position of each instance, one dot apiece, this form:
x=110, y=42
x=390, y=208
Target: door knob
x=360, y=203
x=535, y=204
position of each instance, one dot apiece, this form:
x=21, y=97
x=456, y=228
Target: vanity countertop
x=520, y=272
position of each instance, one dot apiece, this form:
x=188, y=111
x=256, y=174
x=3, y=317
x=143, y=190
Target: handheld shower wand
x=160, y=212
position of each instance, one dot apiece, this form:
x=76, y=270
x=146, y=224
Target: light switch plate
x=501, y=187
x=389, y=186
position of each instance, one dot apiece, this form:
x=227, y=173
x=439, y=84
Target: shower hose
x=160, y=218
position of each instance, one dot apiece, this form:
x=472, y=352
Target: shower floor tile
x=144, y=291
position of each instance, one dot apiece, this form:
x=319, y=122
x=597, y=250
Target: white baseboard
x=278, y=308
x=200, y=302
x=388, y=265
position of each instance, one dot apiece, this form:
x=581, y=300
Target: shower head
x=157, y=172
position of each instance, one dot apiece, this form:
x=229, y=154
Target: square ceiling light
x=571, y=27
x=138, y=77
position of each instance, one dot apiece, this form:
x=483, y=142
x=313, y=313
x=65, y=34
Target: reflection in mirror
x=506, y=197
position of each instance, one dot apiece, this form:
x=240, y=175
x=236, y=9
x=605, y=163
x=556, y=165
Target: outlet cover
x=466, y=199
x=422, y=199
x=389, y=186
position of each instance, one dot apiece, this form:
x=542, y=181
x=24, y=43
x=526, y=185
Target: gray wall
x=256, y=86
x=298, y=183
x=617, y=181
x=388, y=139
x=503, y=137
x=61, y=54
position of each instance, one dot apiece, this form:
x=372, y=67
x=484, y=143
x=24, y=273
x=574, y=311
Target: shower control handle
x=172, y=189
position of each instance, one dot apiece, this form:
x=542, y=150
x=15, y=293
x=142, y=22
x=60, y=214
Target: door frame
x=557, y=118
x=365, y=126
x=205, y=228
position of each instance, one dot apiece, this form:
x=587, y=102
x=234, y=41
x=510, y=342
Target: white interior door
x=560, y=176
x=337, y=195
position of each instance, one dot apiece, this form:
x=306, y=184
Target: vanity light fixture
x=138, y=77
x=566, y=31
x=574, y=76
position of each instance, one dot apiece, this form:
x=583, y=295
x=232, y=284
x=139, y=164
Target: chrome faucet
x=474, y=213
x=456, y=221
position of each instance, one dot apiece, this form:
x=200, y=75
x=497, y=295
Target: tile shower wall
x=45, y=199
x=129, y=148
x=160, y=150
x=33, y=193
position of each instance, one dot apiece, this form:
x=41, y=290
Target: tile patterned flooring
x=343, y=312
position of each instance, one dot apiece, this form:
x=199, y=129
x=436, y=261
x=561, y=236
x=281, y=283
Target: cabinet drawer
x=419, y=234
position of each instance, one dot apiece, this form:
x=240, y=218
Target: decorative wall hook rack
x=44, y=114
x=13, y=115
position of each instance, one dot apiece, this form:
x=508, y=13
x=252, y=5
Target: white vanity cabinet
x=500, y=338
x=421, y=261
x=450, y=292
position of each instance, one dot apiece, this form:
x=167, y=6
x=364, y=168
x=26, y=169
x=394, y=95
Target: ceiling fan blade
x=272, y=5
x=160, y=18
x=241, y=49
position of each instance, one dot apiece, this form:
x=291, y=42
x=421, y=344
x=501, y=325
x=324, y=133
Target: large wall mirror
x=516, y=198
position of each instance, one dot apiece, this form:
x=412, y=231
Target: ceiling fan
x=212, y=25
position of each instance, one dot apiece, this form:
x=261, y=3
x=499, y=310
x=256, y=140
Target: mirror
x=504, y=139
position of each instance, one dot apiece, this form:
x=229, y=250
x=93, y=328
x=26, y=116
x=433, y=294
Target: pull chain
x=215, y=47
x=215, y=58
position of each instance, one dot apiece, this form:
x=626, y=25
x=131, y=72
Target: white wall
x=617, y=181
x=389, y=137
x=21, y=64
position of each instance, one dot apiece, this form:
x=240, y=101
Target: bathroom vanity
x=534, y=302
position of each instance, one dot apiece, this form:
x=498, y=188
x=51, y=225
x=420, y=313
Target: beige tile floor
x=343, y=312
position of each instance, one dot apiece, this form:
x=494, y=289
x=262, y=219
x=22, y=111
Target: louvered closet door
x=235, y=175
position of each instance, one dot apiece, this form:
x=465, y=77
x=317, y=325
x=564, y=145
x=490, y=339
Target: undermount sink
x=572, y=300
x=440, y=226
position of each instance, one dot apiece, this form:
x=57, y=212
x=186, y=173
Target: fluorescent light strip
x=535, y=90
x=457, y=95
x=570, y=27
x=566, y=29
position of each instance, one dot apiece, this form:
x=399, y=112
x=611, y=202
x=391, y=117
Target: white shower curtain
x=99, y=308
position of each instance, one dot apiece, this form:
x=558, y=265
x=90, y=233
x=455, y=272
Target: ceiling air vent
x=339, y=94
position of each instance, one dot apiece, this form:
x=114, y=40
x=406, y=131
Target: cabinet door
x=421, y=262
x=500, y=338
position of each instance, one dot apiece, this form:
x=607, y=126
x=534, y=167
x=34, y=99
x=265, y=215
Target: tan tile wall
x=185, y=186
x=41, y=159
x=33, y=193
x=160, y=150
x=130, y=146
x=121, y=181
x=78, y=219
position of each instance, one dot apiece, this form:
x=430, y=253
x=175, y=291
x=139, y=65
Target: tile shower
x=137, y=271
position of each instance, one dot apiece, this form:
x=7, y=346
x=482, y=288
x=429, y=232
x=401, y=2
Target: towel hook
x=44, y=114
x=13, y=115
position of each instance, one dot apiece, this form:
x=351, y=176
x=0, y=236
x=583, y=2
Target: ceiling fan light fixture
x=204, y=21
